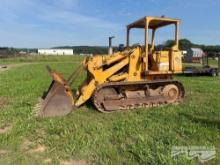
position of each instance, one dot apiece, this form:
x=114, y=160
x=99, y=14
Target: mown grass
x=143, y=136
x=40, y=58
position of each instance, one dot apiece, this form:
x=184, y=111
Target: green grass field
x=142, y=136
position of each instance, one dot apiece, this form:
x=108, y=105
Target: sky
x=49, y=23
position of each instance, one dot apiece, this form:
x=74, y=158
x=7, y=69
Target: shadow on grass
x=182, y=75
x=90, y=106
x=203, y=120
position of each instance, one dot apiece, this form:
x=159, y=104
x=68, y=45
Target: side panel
x=163, y=61
x=160, y=61
x=177, y=62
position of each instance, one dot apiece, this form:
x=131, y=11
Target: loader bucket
x=58, y=100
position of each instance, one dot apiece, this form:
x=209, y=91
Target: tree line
x=184, y=44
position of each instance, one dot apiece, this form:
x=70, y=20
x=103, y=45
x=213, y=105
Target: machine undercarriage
x=117, y=96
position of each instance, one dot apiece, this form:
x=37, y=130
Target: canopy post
x=146, y=46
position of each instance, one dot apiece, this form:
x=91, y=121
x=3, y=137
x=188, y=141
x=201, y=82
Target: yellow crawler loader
x=138, y=76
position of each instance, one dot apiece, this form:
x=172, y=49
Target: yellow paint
x=119, y=77
x=134, y=70
x=86, y=93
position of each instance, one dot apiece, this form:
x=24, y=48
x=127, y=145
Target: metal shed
x=194, y=55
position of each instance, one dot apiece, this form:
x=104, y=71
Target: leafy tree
x=185, y=44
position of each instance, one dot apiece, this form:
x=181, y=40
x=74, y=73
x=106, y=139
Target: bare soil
x=74, y=162
x=5, y=128
x=38, y=149
x=4, y=101
x=3, y=152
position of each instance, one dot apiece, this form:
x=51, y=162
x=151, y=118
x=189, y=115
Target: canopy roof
x=154, y=22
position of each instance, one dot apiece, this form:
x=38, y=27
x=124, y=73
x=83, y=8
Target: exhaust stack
x=110, y=49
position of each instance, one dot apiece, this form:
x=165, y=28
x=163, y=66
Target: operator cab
x=164, y=60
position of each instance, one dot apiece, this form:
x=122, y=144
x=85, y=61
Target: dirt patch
x=26, y=145
x=5, y=128
x=48, y=160
x=3, y=152
x=30, y=147
x=3, y=68
x=41, y=133
x=74, y=162
x=10, y=66
x=4, y=101
x=38, y=149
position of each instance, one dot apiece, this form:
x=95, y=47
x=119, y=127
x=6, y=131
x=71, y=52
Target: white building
x=55, y=51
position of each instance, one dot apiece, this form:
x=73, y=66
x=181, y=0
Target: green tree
x=185, y=44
